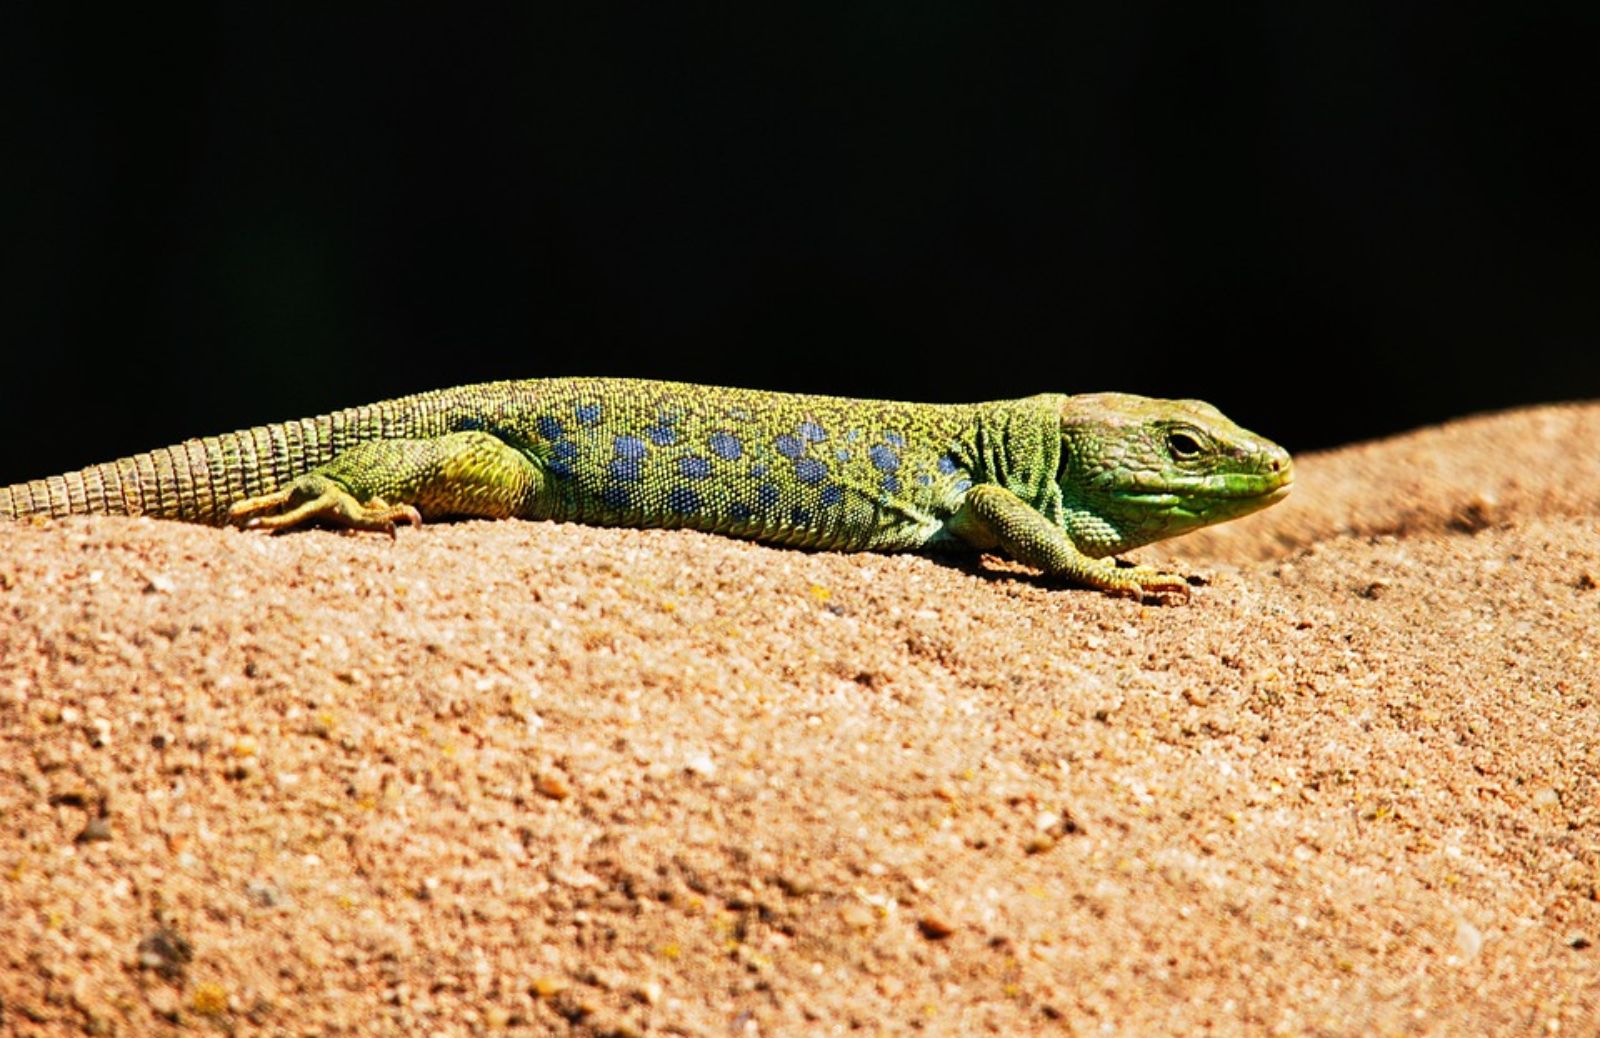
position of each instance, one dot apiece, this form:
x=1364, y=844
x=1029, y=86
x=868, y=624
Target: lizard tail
x=194, y=481
x=198, y=480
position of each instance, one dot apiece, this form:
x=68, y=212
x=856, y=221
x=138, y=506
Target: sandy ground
x=528, y=778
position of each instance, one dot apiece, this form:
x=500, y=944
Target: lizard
x=1060, y=482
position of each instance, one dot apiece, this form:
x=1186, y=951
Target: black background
x=1333, y=222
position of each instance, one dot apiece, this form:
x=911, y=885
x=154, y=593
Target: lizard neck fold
x=1017, y=444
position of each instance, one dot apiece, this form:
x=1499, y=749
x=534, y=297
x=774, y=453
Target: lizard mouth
x=1265, y=489
x=1213, y=499
x=1268, y=487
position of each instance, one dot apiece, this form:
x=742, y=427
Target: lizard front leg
x=992, y=516
x=374, y=485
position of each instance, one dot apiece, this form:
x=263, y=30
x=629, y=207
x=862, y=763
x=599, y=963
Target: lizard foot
x=1138, y=581
x=319, y=501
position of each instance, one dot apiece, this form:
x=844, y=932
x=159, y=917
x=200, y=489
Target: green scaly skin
x=1058, y=482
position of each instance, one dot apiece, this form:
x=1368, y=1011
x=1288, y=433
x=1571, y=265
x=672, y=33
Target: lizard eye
x=1182, y=445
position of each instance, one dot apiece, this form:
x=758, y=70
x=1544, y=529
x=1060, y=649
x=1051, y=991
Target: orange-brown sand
x=526, y=778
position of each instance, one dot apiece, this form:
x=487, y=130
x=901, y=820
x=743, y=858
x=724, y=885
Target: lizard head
x=1136, y=469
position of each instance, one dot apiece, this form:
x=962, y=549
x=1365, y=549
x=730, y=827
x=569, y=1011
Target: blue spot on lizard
x=725, y=446
x=662, y=434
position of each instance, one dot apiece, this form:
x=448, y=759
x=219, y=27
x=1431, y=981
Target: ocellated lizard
x=1059, y=482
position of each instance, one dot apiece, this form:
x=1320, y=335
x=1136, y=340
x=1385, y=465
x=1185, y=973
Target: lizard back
x=814, y=471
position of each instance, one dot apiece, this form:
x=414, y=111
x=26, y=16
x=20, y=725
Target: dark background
x=1334, y=223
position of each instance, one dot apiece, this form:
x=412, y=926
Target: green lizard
x=1058, y=482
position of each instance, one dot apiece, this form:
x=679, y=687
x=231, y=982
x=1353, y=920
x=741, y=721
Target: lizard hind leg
x=375, y=485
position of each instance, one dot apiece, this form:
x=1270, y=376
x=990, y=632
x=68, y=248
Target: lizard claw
x=1136, y=582
x=404, y=514
x=251, y=511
